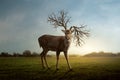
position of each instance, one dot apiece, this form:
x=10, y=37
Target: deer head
x=68, y=33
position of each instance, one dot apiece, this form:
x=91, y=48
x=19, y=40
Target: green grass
x=84, y=68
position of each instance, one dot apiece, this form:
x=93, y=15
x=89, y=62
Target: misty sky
x=23, y=21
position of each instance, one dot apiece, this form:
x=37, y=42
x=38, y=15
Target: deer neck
x=67, y=41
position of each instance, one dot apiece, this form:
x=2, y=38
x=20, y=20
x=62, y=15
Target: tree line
x=26, y=53
x=102, y=54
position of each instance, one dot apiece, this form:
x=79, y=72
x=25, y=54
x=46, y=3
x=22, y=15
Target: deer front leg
x=57, y=56
x=66, y=57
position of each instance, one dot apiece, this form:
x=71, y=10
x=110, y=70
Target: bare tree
x=60, y=43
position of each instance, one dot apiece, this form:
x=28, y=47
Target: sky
x=22, y=22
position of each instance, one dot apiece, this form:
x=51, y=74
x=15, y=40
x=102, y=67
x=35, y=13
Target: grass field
x=84, y=68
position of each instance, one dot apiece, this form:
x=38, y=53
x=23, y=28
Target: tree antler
x=61, y=19
x=79, y=34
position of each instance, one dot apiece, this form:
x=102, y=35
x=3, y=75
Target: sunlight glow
x=90, y=46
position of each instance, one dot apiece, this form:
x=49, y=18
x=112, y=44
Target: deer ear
x=63, y=31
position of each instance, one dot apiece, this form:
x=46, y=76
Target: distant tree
x=35, y=54
x=27, y=53
x=17, y=54
x=100, y=54
x=5, y=54
x=92, y=54
x=118, y=54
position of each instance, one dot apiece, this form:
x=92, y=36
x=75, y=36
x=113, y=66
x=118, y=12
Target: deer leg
x=45, y=59
x=57, y=56
x=66, y=57
x=41, y=55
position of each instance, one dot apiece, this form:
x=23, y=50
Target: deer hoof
x=57, y=69
x=70, y=69
x=48, y=68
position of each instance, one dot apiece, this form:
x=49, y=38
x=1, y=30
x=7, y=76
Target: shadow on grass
x=62, y=77
x=49, y=74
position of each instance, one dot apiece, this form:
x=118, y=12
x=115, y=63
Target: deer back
x=53, y=43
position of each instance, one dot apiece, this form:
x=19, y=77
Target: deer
x=55, y=43
x=59, y=44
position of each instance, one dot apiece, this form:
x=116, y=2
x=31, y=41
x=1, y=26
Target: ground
x=84, y=68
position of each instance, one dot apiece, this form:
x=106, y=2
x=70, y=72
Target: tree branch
x=79, y=34
x=59, y=20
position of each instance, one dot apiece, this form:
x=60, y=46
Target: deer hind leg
x=45, y=53
x=57, y=56
x=42, y=55
x=66, y=57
